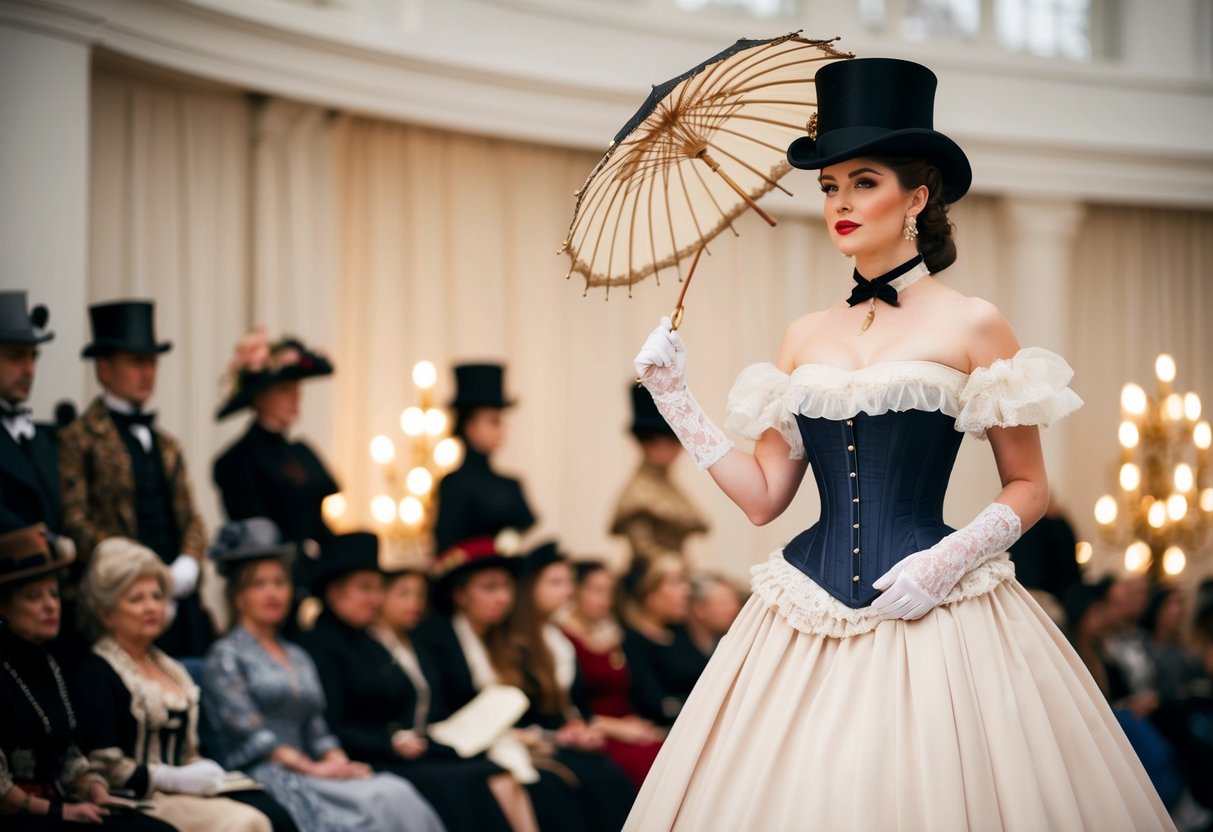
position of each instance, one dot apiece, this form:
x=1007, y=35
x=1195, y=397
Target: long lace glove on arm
x=916, y=584
x=661, y=366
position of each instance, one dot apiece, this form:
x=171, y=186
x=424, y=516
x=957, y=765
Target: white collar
x=118, y=405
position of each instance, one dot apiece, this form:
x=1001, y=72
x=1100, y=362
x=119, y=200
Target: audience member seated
x=715, y=603
x=665, y=663
x=265, y=698
x=139, y=708
x=39, y=759
x=559, y=707
x=597, y=636
x=373, y=705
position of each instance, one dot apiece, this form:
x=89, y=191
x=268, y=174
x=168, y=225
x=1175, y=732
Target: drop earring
x=910, y=229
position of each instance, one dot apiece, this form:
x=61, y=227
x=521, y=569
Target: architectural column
x=44, y=133
x=1040, y=242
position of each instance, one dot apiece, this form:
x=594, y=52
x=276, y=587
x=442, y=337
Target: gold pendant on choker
x=867, y=322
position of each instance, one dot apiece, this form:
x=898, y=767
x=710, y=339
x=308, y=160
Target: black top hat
x=345, y=553
x=646, y=418
x=289, y=360
x=880, y=107
x=480, y=385
x=29, y=552
x=17, y=326
x=541, y=557
x=123, y=326
x=241, y=541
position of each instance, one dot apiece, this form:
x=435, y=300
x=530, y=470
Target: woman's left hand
x=97, y=792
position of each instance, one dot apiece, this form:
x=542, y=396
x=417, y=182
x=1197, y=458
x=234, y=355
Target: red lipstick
x=845, y=227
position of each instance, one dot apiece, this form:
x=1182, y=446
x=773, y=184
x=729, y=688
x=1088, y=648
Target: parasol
x=699, y=152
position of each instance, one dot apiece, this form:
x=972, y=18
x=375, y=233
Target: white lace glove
x=661, y=366
x=199, y=777
x=916, y=584
x=185, y=575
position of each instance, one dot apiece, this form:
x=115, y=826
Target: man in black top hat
x=474, y=500
x=124, y=476
x=29, y=470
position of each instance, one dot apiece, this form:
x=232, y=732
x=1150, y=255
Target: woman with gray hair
x=139, y=708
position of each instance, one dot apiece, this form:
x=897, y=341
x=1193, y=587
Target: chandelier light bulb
x=1137, y=556
x=1157, y=516
x=1206, y=500
x=424, y=374
x=1129, y=435
x=447, y=452
x=1184, y=478
x=1130, y=476
x=383, y=509
x=1133, y=399
x=1202, y=435
x=411, y=511
x=412, y=421
x=1174, y=407
x=419, y=481
x=1191, y=407
x=1082, y=552
x=1173, y=560
x=382, y=450
x=1177, y=507
x=1164, y=368
x=1105, y=510
x=435, y=422
x=333, y=506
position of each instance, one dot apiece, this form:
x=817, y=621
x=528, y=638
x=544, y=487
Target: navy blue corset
x=882, y=481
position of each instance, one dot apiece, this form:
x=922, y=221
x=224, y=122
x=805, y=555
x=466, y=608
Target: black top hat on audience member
x=289, y=360
x=879, y=107
x=29, y=552
x=541, y=557
x=480, y=385
x=241, y=541
x=647, y=420
x=123, y=326
x=464, y=559
x=18, y=326
x=345, y=553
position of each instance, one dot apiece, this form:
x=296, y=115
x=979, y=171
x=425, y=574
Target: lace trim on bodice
x=1027, y=389
x=810, y=609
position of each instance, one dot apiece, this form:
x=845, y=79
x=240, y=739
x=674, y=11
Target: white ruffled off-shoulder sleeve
x=758, y=402
x=1030, y=388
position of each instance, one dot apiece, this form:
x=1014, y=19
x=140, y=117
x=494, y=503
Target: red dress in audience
x=608, y=683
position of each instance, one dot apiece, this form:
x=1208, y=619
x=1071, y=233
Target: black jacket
x=476, y=501
x=29, y=481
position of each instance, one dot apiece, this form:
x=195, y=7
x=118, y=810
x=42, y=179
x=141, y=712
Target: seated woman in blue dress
x=265, y=698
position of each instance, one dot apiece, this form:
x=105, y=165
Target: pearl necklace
x=29, y=695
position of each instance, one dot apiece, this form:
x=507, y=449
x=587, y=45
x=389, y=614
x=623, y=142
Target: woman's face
x=485, y=429
x=1171, y=616
x=32, y=611
x=595, y=595
x=265, y=598
x=404, y=602
x=139, y=616
x=356, y=598
x=487, y=598
x=662, y=451
x=865, y=207
x=553, y=588
x=668, y=602
x=278, y=406
x=717, y=609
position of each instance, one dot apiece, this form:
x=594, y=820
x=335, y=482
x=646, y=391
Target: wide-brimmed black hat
x=480, y=385
x=880, y=107
x=345, y=553
x=123, y=326
x=465, y=558
x=241, y=541
x=289, y=360
x=646, y=418
x=29, y=552
x=18, y=326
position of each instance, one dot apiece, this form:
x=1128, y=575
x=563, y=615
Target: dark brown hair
x=935, y=230
x=525, y=627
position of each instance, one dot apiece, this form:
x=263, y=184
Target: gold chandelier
x=1162, y=512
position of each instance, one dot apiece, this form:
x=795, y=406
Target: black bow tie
x=879, y=288
x=8, y=410
x=128, y=419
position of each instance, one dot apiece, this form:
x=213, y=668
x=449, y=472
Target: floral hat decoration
x=259, y=364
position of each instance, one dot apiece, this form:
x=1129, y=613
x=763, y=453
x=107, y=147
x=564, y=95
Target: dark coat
x=662, y=674
x=476, y=501
x=29, y=481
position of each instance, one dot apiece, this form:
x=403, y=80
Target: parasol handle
x=715, y=166
x=679, y=309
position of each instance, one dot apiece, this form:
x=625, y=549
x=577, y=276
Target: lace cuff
x=810, y=609
x=937, y=569
x=757, y=403
x=705, y=442
x=1030, y=388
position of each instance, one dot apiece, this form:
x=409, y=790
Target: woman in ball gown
x=888, y=671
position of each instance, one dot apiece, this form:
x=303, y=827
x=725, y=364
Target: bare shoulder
x=798, y=332
x=987, y=332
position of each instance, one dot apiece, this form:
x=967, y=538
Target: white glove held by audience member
x=918, y=583
x=185, y=575
x=199, y=777
x=661, y=366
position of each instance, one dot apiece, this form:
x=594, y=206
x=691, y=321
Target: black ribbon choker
x=879, y=288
